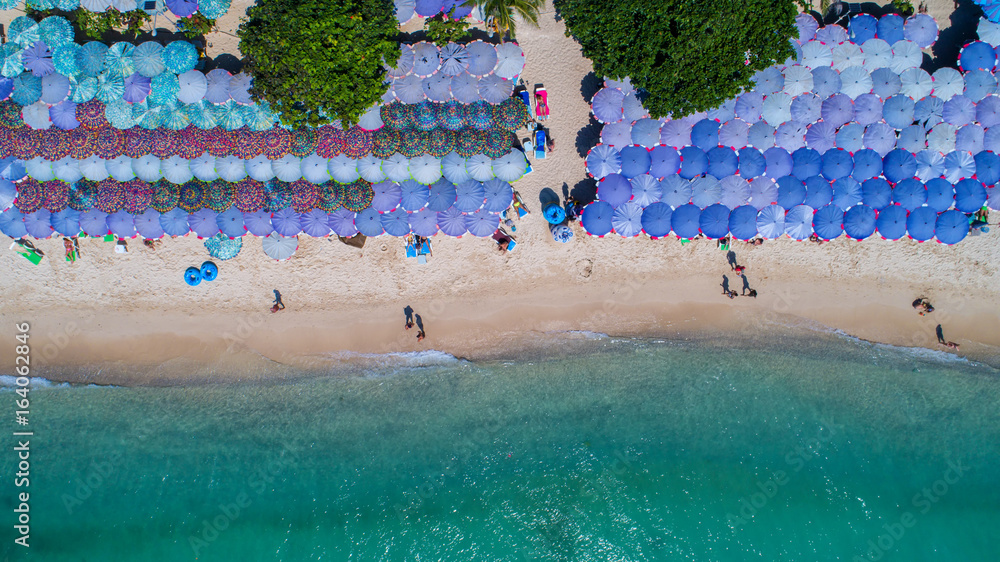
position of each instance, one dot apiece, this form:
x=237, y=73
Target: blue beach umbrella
x=368, y=222
x=452, y=222
x=258, y=223
x=970, y=195
x=12, y=224
x=424, y=222
x=806, y=108
x=876, y=193
x=656, y=219
x=771, y=222
x=891, y=222
x=958, y=165
x=846, y=192
x=899, y=165
x=626, y=220
x=821, y=136
x=118, y=60
x=482, y=223
x=39, y=224
x=977, y=55
x=614, y=189
x=930, y=164
x=147, y=59
x=164, y=88
x=645, y=190
x=705, y=134
x=751, y=163
x=23, y=31
x=885, y=82
x=991, y=140
x=387, y=196
x=748, y=106
x=675, y=191
x=861, y=28
x=735, y=191
x=342, y=222
x=768, y=81
x=604, y=159
x=979, y=84
x=396, y=223
x=10, y=60
x=791, y=192
x=646, y=132
x=890, y=28
x=63, y=115
x=952, y=227
x=66, y=222
x=988, y=111
x=90, y=58
x=859, y=222
x=722, y=162
x=442, y=195
x=179, y=57
x=837, y=164
x=469, y=196
x=663, y=161
x=231, y=223
x=763, y=192
x=37, y=59
x=940, y=194
x=921, y=29
x=777, y=162
x=828, y=222
x=826, y=81
x=412, y=195
x=920, y=224
x=596, y=218
x=760, y=136
x=685, y=221
x=27, y=89
x=714, y=221
x=867, y=164
x=694, y=162
x=743, y=222
x=635, y=161
x=499, y=195
x=220, y=247
x=798, y=222
x=173, y=222
x=95, y=222
x=909, y=194
x=914, y=139
x=838, y=109
x=286, y=222
x=967, y=139
x=898, y=112
x=818, y=192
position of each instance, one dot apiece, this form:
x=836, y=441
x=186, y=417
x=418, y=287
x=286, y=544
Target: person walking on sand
x=408, y=322
x=278, y=305
x=421, y=335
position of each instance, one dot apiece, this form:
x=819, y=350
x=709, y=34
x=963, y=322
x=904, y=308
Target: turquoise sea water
x=819, y=449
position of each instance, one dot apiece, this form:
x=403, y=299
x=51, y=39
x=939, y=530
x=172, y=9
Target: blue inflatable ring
x=209, y=271
x=192, y=276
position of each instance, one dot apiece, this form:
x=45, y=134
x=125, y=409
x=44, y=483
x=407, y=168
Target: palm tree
x=502, y=12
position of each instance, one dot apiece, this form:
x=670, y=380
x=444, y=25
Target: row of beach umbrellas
x=425, y=169
x=173, y=115
x=408, y=9
x=967, y=195
x=211, y=9
x=464, y=88
x=921, y=29
x=799, y=223
x=478, y=59
x=206, y=223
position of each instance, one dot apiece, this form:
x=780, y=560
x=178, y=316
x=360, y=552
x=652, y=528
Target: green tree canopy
x=316, y=61
x=689, y=55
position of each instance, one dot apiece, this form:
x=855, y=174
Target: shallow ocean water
x=820, y=448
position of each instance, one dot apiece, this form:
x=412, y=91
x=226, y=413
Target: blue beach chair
x=540, y=144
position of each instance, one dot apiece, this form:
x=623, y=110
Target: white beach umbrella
x=192, y=86
x=454, y=59
x=95, y=5
x=94, y=168
x=67, y=170
x=259, y=168
x=878, y=54
x=481, y=58
x=217, y=85
x=280, y=247
x=36, y=115
x=777, y=109
x=371, y=120
x=942, y=138
x=426, y=59
x=176, y=170
x=948, y=83
x=396, y=167
x=905, y=54
x=479, y=166
x=930, y=165
x=847, y=55
x=510, y=60
x=203, y=167
x=288, y=168
x=403, y=65
x=55, y=88
x=511, y=166
x=343, y=168
x=989, y=31
x=314, y=169
x=494, y=89
x=409, y=89
x=798, y=80
x=370, y=168
x=231, y=168
x=453, y=168
x=632, y=108
x=816, y=54
x=855, y=81
x=120, y=168
x=425, y=169
x=465, y=88
x=915, y=83
x=147, y=168
x=437, y=87
x=239, y=88
x=39, y=169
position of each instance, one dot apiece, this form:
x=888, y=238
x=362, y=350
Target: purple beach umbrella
x=95, y=223
x=39, y=223
x=122, y=224
x=387, y=196
x=147, y=224
x=424, y=222
x=258, y=223
x=203, y=223
x=285, y=222
x=482, y=223
x=452, y=222
x=342, y=222
x=315, y=223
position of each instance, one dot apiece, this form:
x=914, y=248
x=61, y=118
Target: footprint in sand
x=586, y=267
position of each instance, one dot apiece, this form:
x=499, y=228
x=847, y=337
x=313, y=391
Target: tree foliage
x=442, y=30
x=688, y=55
x=316, y=61
x=503, y=13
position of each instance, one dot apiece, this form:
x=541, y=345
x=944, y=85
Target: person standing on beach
x=408, y=320
x=278, y=305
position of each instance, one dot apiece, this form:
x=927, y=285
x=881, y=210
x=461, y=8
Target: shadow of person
x=940, y=333
x=725, y=285
x=731, y=259
x=420, y=322
x=408, y=311
x=746, y=284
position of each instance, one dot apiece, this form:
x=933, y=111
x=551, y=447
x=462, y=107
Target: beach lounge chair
x=411, y=250
x=529, y=147
x=540, y=144
x=425, y=248
x=29, y=254
x=541, y=103
x=522, y=92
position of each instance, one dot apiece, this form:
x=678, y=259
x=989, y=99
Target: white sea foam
x=428, y=358
x=9, y=382
x=915, y=352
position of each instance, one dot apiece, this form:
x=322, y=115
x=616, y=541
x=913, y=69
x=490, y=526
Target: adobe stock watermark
x=923, y=501
x=257, y=484
x=796, y=459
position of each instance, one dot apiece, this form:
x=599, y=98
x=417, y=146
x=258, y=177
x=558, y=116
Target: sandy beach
x=131, y=319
